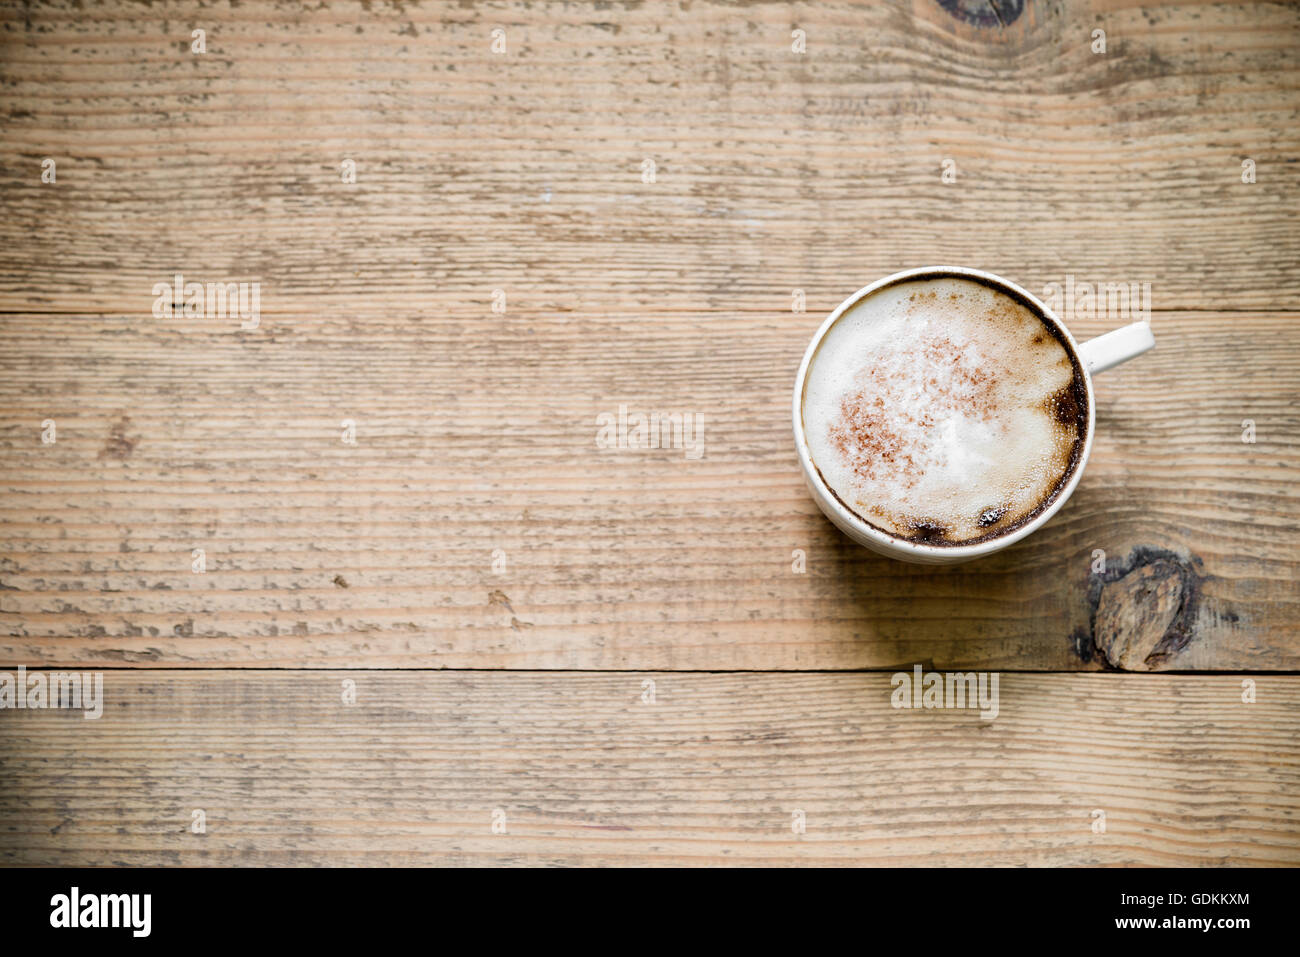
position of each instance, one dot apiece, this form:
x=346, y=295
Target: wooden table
x=562, y=653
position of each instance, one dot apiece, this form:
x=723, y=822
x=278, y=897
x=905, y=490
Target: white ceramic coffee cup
x=1095, y=355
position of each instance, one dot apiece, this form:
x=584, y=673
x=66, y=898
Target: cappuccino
x=944, y=411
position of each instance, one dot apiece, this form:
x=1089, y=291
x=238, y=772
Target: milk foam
x=942, y=410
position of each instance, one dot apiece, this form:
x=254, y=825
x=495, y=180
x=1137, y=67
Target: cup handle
x=1118, y=345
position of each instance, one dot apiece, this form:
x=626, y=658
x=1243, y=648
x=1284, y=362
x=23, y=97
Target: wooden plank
x=523, y=170
x=477, y=441
x=710, y=773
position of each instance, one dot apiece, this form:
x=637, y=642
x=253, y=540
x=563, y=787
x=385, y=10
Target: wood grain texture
x=476, y=434
x=711, y=773
x=523, y=170
x=175, y=435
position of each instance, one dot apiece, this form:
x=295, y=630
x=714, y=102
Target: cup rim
x=849, y=519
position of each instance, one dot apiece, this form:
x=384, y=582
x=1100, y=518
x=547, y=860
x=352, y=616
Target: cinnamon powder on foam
x=917, y=432
x=869, y=432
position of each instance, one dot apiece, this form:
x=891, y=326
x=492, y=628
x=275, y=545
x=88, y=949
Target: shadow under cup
x=928, y=543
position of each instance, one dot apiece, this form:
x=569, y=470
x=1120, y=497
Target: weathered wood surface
x=522, y=172
x=712, y=772
x=173, y=436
